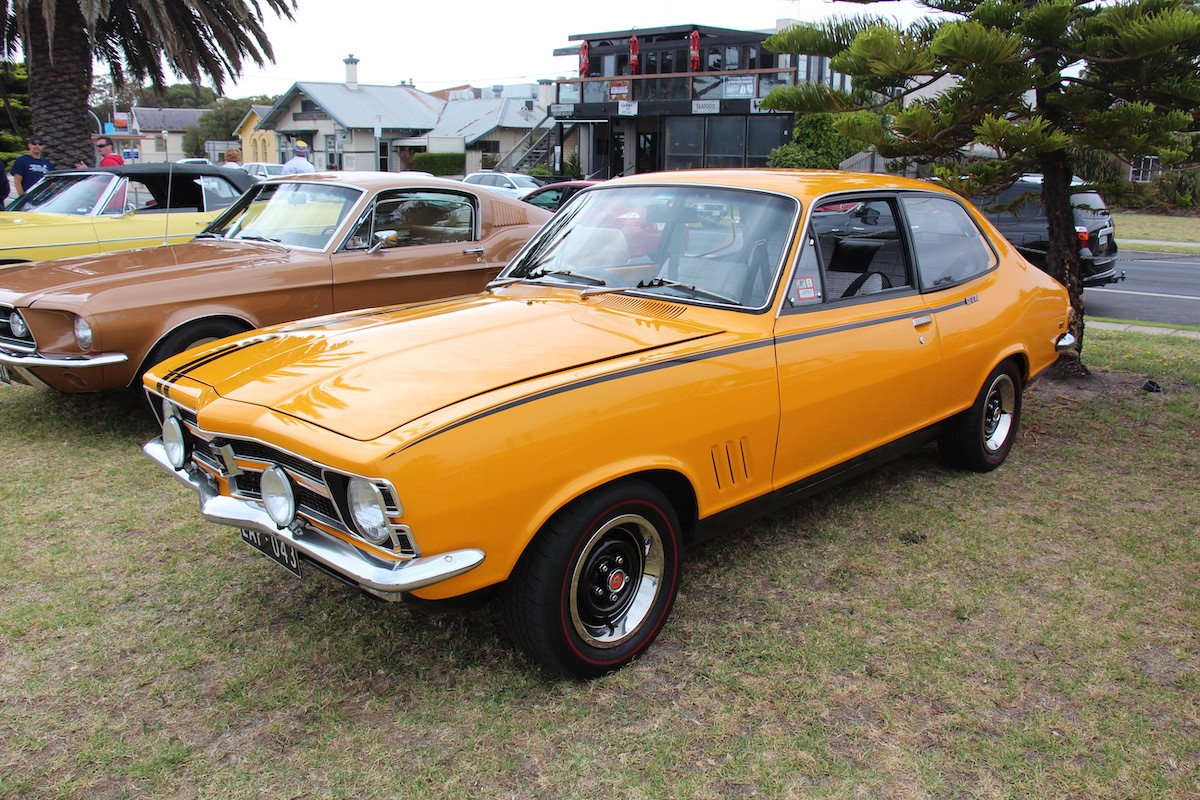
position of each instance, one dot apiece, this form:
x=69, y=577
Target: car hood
x=76, y=279
x=363, y=376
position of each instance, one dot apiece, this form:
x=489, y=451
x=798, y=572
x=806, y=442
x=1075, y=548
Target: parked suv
x=1019, y=214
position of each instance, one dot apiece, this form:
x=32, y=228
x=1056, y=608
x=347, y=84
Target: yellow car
x=567, y=434
x=88, y=211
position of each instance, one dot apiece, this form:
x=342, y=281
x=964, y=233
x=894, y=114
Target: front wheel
x=596, y=585
x=979, y=439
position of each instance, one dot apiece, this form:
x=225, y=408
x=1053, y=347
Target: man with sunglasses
x=109, y=157
x=29, y=168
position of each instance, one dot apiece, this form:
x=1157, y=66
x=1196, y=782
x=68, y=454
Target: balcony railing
x=746, y=85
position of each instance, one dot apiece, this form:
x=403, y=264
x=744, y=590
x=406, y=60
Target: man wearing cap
x=29, y=168
x=299, y=165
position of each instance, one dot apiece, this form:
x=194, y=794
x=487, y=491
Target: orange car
x=569, y=433
x=289, y=248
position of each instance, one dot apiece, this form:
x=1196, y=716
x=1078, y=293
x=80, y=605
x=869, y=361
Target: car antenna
x=170, y=178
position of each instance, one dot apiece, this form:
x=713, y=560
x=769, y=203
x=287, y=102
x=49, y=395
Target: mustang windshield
x=296, y=214
x=65, y=194
x=686, y=243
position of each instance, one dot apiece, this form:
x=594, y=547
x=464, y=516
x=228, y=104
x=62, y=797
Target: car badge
x=231, y=467
x=616, y=580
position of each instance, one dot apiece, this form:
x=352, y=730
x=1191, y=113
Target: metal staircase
x=537, y=151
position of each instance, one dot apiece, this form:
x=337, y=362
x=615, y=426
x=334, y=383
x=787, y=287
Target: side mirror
x=383, y=239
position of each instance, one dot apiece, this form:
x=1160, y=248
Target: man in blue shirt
x=28, y=169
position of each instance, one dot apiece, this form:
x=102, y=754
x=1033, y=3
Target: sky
x=487, y=42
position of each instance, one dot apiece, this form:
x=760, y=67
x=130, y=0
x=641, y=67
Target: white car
x=510, y=184
x=261, y=170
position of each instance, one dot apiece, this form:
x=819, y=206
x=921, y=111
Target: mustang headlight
x=83, y=334
x=172, y=437
x=278, y=497
x=16, y=323
x=368, y=510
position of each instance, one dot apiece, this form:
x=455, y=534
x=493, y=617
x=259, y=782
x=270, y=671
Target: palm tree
x=139, y=40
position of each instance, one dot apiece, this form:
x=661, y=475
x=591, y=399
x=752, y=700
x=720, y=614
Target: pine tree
x=1031, y=79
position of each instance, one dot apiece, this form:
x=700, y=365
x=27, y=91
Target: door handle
x=921, y=322
x=473, y=251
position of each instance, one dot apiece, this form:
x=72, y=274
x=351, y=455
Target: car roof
x=371, y=180
x=803, y=184
x=243, y=181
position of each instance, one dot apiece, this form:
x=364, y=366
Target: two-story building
x=677, y=97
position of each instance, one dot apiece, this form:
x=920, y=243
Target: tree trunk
x=60, y=78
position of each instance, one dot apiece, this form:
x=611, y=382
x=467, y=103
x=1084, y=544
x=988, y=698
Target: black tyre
x=979, y=439
x=597, y=583
x=192, y=335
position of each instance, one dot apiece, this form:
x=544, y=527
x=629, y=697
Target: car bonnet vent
x=639, y=305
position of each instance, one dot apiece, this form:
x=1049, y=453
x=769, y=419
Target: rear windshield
x=1089, y=205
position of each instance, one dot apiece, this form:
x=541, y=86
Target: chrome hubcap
x=998, y=412
x=616, y=580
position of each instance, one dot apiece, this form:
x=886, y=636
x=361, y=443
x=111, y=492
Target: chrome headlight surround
x=278, y=496
x=174, y=443
x=368, y=511
x=83, y=333
x=17, y=324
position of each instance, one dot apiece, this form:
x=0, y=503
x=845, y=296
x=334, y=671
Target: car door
x=430, y=248
x=134, y=217
x=857, y=350
x=962, y=289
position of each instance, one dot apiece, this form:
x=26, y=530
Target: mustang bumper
x=334, y=555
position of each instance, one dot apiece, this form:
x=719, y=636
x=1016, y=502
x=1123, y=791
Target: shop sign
x=756, y=107
x=627, y=108
x=706, y=106
x=739, y=87
x=562, y=109
x=618, y=90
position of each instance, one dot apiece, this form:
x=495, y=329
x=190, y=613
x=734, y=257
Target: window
x=547, y=199
x=218, y=193
x=1144, y=169
x=853, y=250
x=416, y=218
x=489, y=145
x=948, y=246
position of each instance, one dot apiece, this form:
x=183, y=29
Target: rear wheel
x=598, y=582
x=979, y=439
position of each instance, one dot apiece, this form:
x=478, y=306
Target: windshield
x=683, y=243
x=65, y=194
x=524, y=181
x=296, y=214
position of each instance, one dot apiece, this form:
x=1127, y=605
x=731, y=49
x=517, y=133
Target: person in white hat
x=299, y=165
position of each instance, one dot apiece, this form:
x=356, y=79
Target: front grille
x=312, y=504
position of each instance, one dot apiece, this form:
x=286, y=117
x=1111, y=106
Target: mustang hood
x=83, y=276
x=363, y=376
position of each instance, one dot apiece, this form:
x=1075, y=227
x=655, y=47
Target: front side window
x=681, y=243
x=949, y=247
x=295, y=214
x=415, y=218
x=547, y=199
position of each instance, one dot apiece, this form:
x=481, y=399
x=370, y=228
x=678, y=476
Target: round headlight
x=16, y=323
x=278, y=497
x=367, y=511
x=83, y=334
x=173, y=442
x=169, y=409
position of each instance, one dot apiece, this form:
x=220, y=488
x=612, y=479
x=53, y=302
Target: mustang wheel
x=980, y=437
x=597, y=583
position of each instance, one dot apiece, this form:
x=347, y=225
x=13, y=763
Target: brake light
x=1081, y=233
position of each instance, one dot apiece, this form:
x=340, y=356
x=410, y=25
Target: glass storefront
x=723, y=141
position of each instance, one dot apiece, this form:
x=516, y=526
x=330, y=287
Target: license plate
x=1102, y=239
x=4, y=376
x=277, y=550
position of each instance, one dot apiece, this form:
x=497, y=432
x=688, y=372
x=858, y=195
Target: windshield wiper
x=696, y=291
x=259, y=238
x=591, y=280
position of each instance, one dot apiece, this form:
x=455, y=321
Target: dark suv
x=1017, y=212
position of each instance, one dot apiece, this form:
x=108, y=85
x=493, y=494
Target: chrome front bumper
x=376, y=577
x=18, y=360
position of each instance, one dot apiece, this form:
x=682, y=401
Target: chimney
x=545, y=94
x=351, y=72
x=497, y=90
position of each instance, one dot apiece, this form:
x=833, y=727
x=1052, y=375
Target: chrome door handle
x=474, y=251
x=921, y=322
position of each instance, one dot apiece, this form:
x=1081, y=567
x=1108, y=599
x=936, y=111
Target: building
x=677, y=97
x=159, y=132
x=258, y=145
x=356, y=126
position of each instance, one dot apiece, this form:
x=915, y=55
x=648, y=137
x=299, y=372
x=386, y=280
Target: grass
x=1132, y=225
x=920, y=632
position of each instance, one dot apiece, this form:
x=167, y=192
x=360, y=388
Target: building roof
x=254, y=110
x=175, y=120
x=399, y=107
x=474, y=119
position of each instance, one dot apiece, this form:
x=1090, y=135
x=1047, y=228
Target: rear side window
x=949, y=247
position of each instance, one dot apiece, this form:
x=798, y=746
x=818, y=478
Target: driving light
x=16, y=324
x=173, y=441
x=278, y=497
x=83, y=334
x=367, y=510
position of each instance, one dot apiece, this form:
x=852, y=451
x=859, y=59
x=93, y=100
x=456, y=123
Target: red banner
x=694, y=51
x=583, y=60
x=635, y=59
